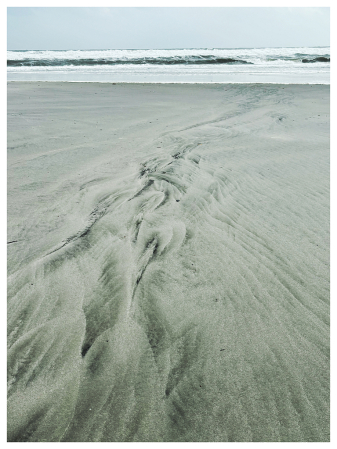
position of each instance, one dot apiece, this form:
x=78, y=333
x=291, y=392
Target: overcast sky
x=140, y=28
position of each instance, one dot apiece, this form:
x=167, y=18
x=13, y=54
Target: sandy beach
x=168, y=262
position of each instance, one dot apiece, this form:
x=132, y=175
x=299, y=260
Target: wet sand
x=168, y=262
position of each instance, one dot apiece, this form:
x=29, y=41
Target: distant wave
x=207, y=59
x=50, y=61
x=318, y=59
x=300, y=57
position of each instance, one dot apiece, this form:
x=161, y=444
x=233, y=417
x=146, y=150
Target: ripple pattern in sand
x=192, y=305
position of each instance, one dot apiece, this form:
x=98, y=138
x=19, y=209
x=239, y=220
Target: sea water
x=216, y=65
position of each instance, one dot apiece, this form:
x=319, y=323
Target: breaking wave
x=208, y=59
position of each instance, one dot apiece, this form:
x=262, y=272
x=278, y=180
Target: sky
x=84, y=28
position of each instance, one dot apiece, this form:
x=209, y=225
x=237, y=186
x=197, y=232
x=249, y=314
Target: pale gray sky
x=139, y=28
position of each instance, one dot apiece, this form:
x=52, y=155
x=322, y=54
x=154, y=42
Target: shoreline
x=169, y=82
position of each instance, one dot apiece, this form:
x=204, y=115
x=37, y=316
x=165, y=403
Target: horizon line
x=175, y=48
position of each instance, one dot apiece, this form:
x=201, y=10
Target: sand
x=168, y=262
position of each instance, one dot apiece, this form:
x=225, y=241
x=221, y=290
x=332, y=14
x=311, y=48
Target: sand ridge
x=169, y=276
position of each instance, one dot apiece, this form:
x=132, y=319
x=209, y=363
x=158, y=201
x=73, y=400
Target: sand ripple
x=192, y=301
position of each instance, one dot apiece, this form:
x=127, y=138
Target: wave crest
x=208, y=59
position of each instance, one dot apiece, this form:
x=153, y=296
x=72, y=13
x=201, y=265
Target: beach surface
x=168, y=262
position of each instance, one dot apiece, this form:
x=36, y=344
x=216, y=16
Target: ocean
x=302, y=65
